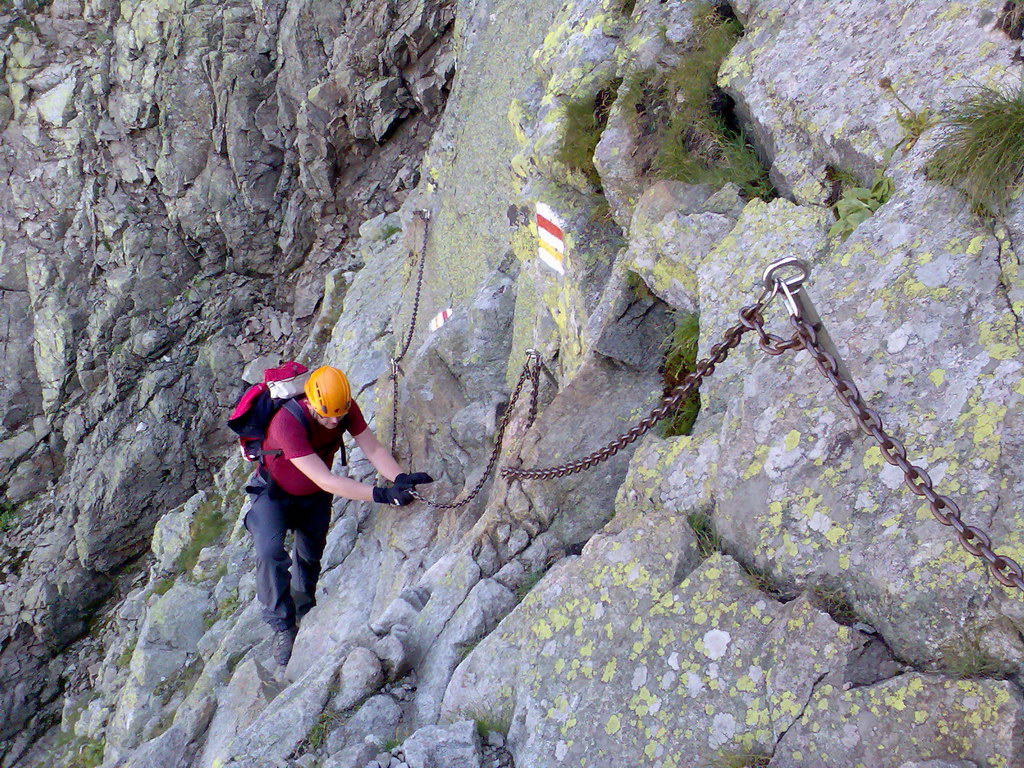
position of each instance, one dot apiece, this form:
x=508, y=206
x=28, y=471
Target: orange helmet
x=328, y=392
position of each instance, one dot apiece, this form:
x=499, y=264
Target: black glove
x=397, y=496
x=407, y=481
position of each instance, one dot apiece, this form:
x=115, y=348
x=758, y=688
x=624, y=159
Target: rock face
x=193, y=191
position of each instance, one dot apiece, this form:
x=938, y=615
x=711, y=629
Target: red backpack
x=255, y=409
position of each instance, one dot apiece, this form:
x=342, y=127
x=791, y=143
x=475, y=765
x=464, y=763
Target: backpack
x=258, y=405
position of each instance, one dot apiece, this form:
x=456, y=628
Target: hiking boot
x=284, y=639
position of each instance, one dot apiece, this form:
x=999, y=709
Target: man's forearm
x=382, y=460
x=347, y=488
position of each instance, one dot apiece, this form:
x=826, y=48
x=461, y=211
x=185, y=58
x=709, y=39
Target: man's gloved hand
x=397, y=496
x=407, y=481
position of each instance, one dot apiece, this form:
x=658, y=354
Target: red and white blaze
x=551, y=249
x=440, y=319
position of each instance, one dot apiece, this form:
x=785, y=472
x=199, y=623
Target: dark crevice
x=1011, y=19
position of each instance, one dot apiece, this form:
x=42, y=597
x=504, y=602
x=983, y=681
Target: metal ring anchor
x=788, y=286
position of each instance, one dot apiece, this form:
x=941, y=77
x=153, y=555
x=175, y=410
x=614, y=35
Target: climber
x=293, y=491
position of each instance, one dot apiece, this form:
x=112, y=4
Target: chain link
x=750, y=319
x=974, y=540
x=395, y=369
x=531, y=370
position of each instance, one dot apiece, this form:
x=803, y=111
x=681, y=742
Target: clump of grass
x=528, y=584
x=486, y=724
x=585, y=119
x=89, y=754
x=1011, y=19
x=981, y=148
x=391, y=745
x=163, y=586
x=680, y=359
x=835, y=603
x=726, y=759
x=708, y=540
x=8, y=516
x=698, y=144
x=968, y=660
x=327, y=722
x=858, y=204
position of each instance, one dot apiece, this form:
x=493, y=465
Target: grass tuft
x=585, y=119
x=680, y=359
x=327, y=722
x=485, y=725
x=968, y=660
x=981, y=148
x=834, y=602
x=693, y=137
x=1011, y=19
x=8, y=516
x=726, y=759
x=528, y=584
x=708, y=540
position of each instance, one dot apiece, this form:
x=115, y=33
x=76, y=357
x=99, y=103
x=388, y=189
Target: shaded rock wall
x=177, y=180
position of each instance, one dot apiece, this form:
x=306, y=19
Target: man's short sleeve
x=354, y=421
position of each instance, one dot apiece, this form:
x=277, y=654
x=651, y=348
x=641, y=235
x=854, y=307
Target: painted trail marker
x=552, y=240
x=440, y=319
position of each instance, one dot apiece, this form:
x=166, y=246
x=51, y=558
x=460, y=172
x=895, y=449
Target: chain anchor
x=799, y=305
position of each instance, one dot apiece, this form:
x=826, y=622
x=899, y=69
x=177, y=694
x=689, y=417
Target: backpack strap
x=296, y=410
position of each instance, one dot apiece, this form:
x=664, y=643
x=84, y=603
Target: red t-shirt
x=287, y=434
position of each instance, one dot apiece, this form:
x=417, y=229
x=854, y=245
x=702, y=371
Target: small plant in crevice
x=680, y=359
x=529, y=582
x=981, y=148
x=727, y=759
x=686, y=123
x=764, y=582
x=325, y=723
x=391, y=745
x=858, y=204
x=968, y=660
x=1011, y=19
x=913, y=122
x=468, y=648
x=8, y=516
x=835, y=603
x=585, y=119
x=708, y=540
x=487, y=724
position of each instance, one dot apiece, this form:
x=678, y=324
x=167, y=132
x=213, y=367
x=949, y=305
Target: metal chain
x=395, y=370
x=531, y=369
x=750, y=319
x=943, y=508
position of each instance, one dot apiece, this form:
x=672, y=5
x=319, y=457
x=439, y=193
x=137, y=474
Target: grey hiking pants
x=272, y=515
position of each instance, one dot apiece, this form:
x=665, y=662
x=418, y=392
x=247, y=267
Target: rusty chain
x=531, y=369
x=395, y=369
x=669, y=403
x=1006, y=571
x=809, y=335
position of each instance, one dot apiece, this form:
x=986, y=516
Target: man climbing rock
x=294, y=490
